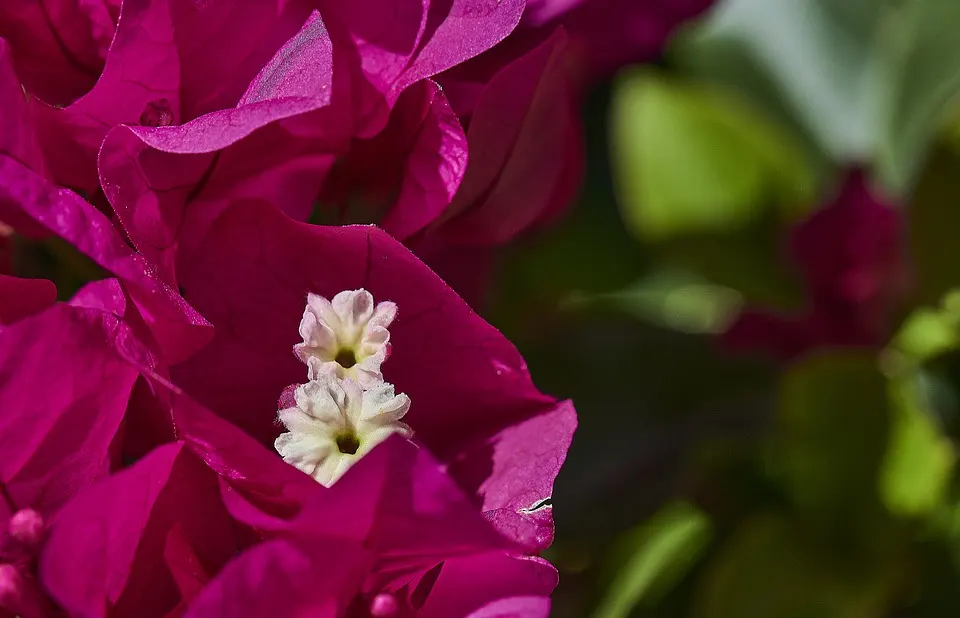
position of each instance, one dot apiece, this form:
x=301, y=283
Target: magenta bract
x=20, y=298
x=182, y=146
x=470, y=387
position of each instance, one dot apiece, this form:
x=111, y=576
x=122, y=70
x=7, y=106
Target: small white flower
x=335, y=423
x=346, y=337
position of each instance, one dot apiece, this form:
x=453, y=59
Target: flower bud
x=11, y=587
x=383, y=605
x=26, y=527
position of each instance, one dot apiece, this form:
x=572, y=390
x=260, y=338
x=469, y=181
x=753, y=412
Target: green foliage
x=919, y=461
x=867, y=80
x=773, y=567
x=727, y=486
x=920, y=50
x=673, y=299
x=933, y=224
x=817, y=60
x=750, y=261
x=707, y=180
x=693, y=159
x=927, y=333
x=660, y=553
x=834, y=417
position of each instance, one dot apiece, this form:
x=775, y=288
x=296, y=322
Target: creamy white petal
x=336, y=422
x=347, y=337
x=383, y=405
x=354, y=309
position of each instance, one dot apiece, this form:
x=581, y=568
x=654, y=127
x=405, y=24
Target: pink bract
x=20, y=298
x=475, y=406
x=394, y=531
x=182, y=146
x=59, y=46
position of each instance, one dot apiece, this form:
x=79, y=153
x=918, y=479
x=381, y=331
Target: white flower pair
x=345, y=409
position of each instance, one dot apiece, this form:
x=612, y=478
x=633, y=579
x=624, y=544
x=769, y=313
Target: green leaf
x=690, y=158
x=674, y=299
x=926, y=333
x=868, y=80
x=933, y=226
x=772, y=567
x=834, y=417
x=817, y=59
x=750, y=261
x=54, y=259
x=919, y=462
x=920, y=51
x=661, y=553
x=535, y=278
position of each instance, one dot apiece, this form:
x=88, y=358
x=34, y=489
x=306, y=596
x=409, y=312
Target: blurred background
x=755, y=305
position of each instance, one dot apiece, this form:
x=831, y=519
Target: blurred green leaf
x=937, y=385
x=933, y=226
x=661, y=553
x=750, y=261
x=868, y=79
x=588, y=252
x=921, y=56
x=730, y=63
x=834, y=418
x=817, y=59
x=927, y=333
x=936, y=571
x=773, y=568
x=672, y=298
x=690, y=158
x=57, y=260
x=919, y=461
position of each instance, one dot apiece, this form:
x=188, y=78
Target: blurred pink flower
x=850, y=254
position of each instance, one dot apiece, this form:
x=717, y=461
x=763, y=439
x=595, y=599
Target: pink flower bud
x=11, y=587
x=383, y=605
x=26, y=526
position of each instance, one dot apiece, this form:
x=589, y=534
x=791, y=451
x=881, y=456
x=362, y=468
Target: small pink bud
x=383, y=605
x=157, y=114
x=11, y=587
x=26, y=527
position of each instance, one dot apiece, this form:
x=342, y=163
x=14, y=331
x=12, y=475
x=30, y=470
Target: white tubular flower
x=346, y=337
x=335, y=422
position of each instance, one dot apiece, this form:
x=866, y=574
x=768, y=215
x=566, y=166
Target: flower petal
x=118, y=529
x=20, y=298
x=61, y=374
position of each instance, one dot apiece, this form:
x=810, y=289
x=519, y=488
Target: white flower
x=347, y=337
x=335, y=423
